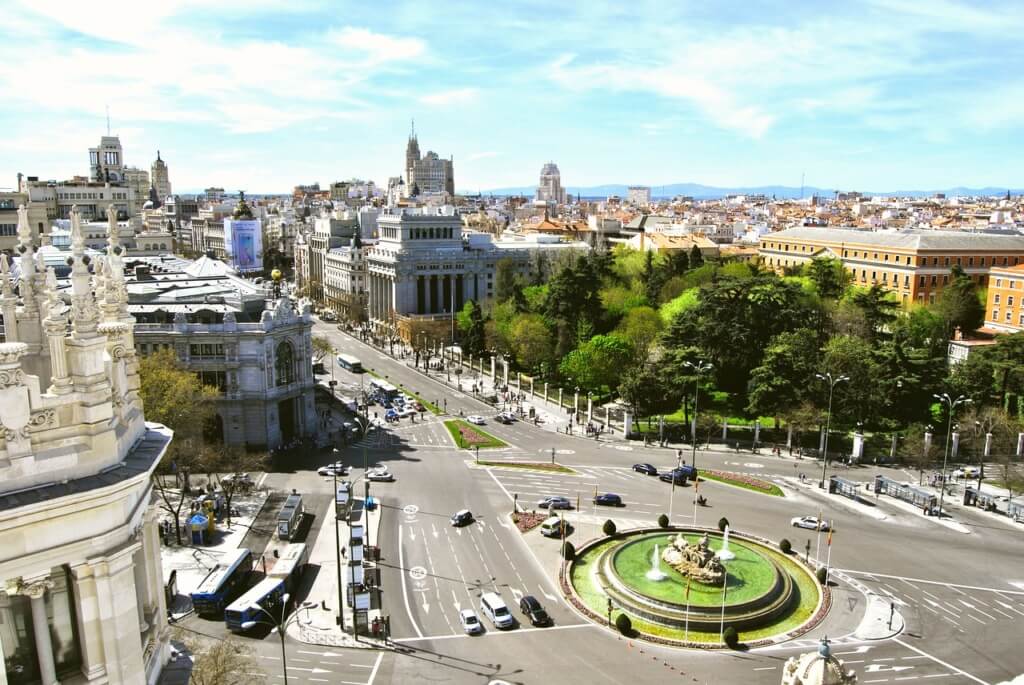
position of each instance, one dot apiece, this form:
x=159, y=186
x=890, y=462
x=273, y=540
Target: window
x=216, y=379
x=921, y=280
x=970, y=261
x=1009, y=300
x=996, y=300
x=1009, y=317
x=945, y=279
x=284, y=364
x=999, y=282
x=215, y=350
x=947, y=261
x=935, y=280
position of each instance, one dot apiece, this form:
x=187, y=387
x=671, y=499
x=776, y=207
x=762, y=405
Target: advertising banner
x=243, y=241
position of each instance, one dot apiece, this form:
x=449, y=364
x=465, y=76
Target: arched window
x=284, y=364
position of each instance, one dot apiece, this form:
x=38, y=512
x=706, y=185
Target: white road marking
x=951, y=586
x=376, y=665
x=405, y=589
x=493, y=633
x=940, y=662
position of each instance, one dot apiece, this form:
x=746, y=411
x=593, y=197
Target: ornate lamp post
x=832, y=383
x=951, y=406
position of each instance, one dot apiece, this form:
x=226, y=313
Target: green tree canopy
x=640, y=327
x=174, y=396
x=829, y=275
x=531, y=341
x=781, y=382
x=960, y=305
x=598, y=363
x=471, y=324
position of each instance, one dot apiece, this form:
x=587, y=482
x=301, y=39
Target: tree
x=782, y=380
x=853, y=400
x=678, y=262
x=696, y=257
x=506, y=280
x=640, y=327
x=830, y=277
x=322, y=347
x=176, y=397
x=879, y=307
x=223, y=463
x=471, y=323
x=597, y=363
x=653, y=277
x=608, y=528
x=624, y=624
x=531, y=341
x=915, y=451
x=960, y=306
x=224, y=662
x=645, y=388
x=974, y=377
x=1007, y=357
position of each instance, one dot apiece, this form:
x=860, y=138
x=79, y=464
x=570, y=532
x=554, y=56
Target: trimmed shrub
x=722, y=523
x=568, y=551
x=623, y=624
x=663, y=521
x=785, y=546
x=731, y=637
x=609, y=528
x=822, y=574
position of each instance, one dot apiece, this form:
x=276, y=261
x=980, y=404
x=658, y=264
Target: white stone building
x=81, y=594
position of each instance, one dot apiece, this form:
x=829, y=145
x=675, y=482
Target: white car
x=470, y=623
x=330, y=471
x=380, y=475
x=477, y=420
x=809, y=522
x=406, y=411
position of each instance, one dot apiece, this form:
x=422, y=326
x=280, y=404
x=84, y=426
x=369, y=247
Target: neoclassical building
x=81, y=595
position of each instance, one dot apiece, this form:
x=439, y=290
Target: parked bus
x=290, y=516
x=244, y=612
x=291, y=564
x=343, y=499
x=382, y=391
x=350, y=363
x=225, y=581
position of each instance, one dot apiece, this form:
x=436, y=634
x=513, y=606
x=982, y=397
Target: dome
x=817, y=668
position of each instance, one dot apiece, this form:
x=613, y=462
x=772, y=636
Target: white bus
x=382, y=391
x=350, y=363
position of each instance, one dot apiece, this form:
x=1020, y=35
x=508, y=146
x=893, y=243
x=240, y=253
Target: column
x=433, y=294
x=421, y=292
x=41, y=630
x=590, y=408
x=494, y=375
x=560, y=398
x=446, y=293
x=532, y=393
x=545, y=391
x=117, y=600
x=90, y=629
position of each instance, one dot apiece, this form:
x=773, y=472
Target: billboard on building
x=243, y=242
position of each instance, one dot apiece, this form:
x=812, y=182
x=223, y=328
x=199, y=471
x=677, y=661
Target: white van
x=552, y=527
x=493, y=607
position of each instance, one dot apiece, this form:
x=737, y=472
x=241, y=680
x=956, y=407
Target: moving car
x=645, y=468
x=476, y=420
x=534, y=611
x=809, y=522
x=330, y=471
x=554, y=527
x=608, y=499
x=966, y=472
x=380, y=476
x=674, y=475
x=470, y=623
x=463, y=517
x=504, y=418
x=493, y=607
x=555, y=503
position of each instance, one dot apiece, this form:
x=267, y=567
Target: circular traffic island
x=685, y=586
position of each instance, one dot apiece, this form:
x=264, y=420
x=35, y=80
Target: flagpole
x=686, y=635
x=828, y=555
x=817, y=548
x=696, y=488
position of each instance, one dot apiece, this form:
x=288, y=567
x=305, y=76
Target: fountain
x=724, y=554
x=655, y=573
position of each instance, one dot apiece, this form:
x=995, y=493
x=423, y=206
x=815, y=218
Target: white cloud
x=377, y=48
x=445, y=98
x=480, y=155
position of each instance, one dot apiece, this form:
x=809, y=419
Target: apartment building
x=914, y=264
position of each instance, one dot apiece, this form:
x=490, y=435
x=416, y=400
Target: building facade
x=81, y=587
x=345, y=281
x=550, y=188
x=311, y=248
x=159, y=177
x=1004, y=310
x=913, y=264
x=429, y=174
x=639, y=196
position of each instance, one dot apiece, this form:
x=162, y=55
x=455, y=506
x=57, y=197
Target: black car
x=645, y=468
x=534, y=611
x=462, y=518
x=608, y=499
x=677, y=476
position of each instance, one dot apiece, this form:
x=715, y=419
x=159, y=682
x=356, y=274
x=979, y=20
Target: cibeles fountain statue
x=695, y=561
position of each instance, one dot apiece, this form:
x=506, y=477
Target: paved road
x=962, y=594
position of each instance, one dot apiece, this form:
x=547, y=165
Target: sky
x=861, y=95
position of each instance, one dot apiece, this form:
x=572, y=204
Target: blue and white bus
x=290, y=517
x=225, y=581
x=382, y=391
x=290, y=566
x=265, y=597
x=350, y=363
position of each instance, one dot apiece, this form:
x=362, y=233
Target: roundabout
x=686, y=586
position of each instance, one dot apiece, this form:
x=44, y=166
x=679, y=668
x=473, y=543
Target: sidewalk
x=315, y=624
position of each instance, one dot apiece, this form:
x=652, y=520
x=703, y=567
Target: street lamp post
x=951, y=406
x=279, y=625
x=832, y=383
x=337, y=553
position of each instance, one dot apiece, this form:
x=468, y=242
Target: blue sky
x=884, y=94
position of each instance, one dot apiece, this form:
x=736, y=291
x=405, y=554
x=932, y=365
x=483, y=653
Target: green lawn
x=807, y=589
x=527, y=466
x=459, y=430
x=749, y=575
x=741, y=481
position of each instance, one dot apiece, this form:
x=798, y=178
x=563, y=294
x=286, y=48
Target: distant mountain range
x=703, y=192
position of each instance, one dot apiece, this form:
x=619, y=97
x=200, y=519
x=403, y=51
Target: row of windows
x=8, y=229
x=1008, y=318
x=90, y=196
x=1009, y=300
x=1010, y=283
x=894, y=278
x=922, y=261
x=206, y=350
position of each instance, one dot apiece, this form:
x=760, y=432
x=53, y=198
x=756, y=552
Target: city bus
x=382, y=391
x=265, y=597
x=350, y=363
x=223, y=583
x=291, y=564
x=290, y=516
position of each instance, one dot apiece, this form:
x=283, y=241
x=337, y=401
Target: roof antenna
x=108, y=120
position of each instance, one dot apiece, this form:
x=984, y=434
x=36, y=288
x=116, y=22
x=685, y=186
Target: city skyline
x=882, y=95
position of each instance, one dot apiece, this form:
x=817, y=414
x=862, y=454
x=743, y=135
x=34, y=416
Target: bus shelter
x=975, y=498
x=844, y=487
x=904, y=491
x=1015, y=510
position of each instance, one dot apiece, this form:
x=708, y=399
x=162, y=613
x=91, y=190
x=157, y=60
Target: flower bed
x=468, y=437
x=528, y=466
x=742, y=481
x=526, y=521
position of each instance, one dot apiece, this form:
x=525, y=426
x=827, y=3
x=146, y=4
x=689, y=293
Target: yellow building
x=914, y=264
x=1004, y=310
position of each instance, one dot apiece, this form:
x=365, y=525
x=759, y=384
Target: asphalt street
x=962, y=594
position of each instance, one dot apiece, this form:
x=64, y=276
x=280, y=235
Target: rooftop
x=915, y=239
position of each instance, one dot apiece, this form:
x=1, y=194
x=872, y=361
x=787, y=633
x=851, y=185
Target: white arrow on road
x=327, y=654
x=433, y=529
x=311, y=670
x=883, y=668
x=516, y=593
x=426, y=606
x=860, y=650
x=412, y=535
x=455, y=600
x=553, y=598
